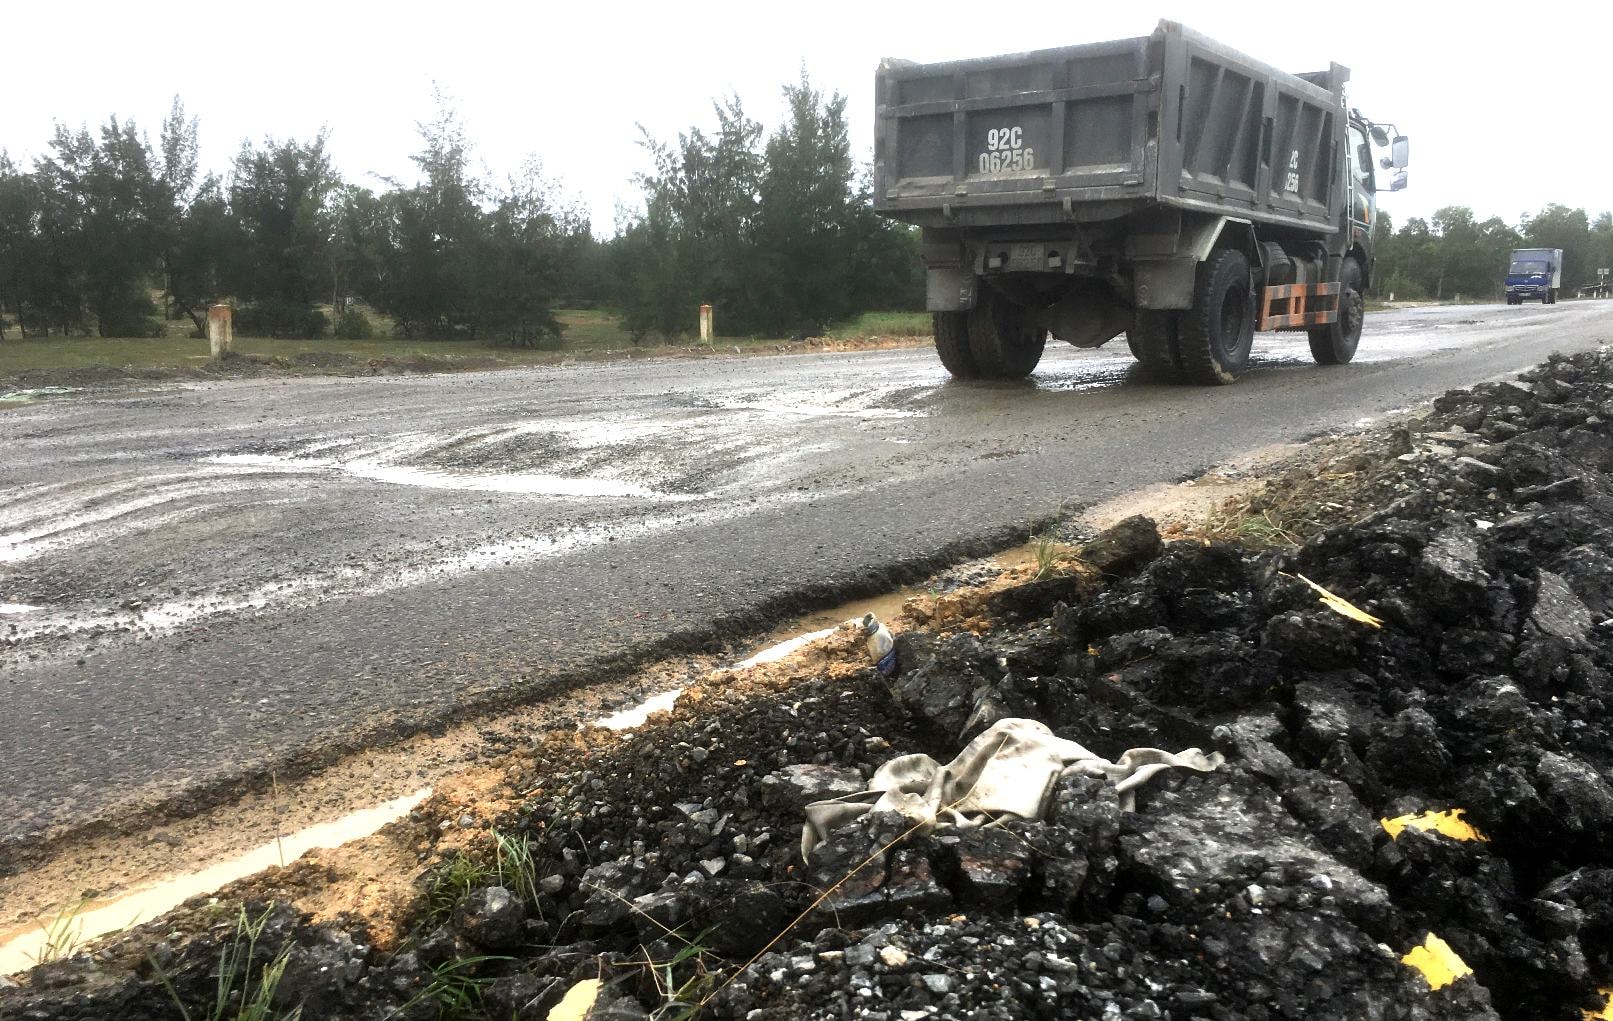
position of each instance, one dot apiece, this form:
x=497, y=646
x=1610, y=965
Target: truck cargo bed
x=1097, y=131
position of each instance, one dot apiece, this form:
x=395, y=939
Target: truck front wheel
x=1335, y=343
x=952, y=344
x=1001, y=338
x=1216, y=335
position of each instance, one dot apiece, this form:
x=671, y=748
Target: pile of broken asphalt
x=666, y=864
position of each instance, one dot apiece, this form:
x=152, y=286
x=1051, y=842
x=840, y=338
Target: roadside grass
x=586, y=331
x=682, y=991
x=64, y=935
x=19, y=356
x=515, y=868
x=452, y=881
x=886, y=324
x=592, y=329
x=454, y=989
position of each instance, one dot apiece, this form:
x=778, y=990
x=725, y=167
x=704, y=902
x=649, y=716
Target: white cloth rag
x=1010, y=769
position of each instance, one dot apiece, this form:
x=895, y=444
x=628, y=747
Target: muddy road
x=200, y=582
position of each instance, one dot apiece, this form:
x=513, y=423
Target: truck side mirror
x=1398, y=182
x=1380, y=135
x=1400, y=152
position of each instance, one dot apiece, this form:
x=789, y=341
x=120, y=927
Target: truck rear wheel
x=1152, y=339
x=1335, y=343
x=1215, y=336
x=1001, y=338
x=952, y=344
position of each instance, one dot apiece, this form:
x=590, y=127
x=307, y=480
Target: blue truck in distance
x=1535, y=273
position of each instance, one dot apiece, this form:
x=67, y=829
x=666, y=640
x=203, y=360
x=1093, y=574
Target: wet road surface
x=199, y=581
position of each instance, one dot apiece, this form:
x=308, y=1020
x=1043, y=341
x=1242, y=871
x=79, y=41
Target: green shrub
x=131, y=317
x=353, y=325
x=283, y=320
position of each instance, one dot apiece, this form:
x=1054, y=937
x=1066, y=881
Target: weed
x=1260, y=520
x=252, y=1001
x=682, y=999
x=456, y=992
x=279, y=813
x=515, y=868
x=1262, y=529
x=1050, y=554
x=258, y=1004
x=63, y=935
x=460, y=876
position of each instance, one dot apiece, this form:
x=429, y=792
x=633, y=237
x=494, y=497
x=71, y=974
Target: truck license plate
x=1025, y=257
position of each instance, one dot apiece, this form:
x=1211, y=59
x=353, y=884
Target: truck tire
x=1001, y=339
x=1152, y=339
x=952, y=344
x=1335, y=343
x=1215, y=336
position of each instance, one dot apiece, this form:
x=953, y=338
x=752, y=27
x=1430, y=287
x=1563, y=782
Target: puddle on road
x=635, y=716
x=16, y=608
x=98, y=919
x=1096, y=375
x=802, y=631
x=19, y=397
x=861, y=404
x=774, y=653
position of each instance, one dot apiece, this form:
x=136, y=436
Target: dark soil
x=1266, y=889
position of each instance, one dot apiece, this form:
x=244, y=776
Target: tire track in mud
x=696, y=460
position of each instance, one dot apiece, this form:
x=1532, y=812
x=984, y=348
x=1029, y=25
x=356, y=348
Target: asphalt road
x=199, y=581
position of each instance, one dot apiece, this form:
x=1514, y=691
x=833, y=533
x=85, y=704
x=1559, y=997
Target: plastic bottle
x=881, y=646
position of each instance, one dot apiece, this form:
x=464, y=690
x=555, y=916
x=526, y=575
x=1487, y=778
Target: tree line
x=109, y=234
x=777, y=232
x=1453, y=253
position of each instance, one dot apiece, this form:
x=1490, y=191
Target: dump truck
x=1534, y=273
x=1164, y=187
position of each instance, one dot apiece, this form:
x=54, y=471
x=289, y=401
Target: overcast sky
x=1496, y=99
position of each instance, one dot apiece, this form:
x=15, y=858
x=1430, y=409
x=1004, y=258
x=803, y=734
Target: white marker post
x=705, y=324
x=220, y=333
